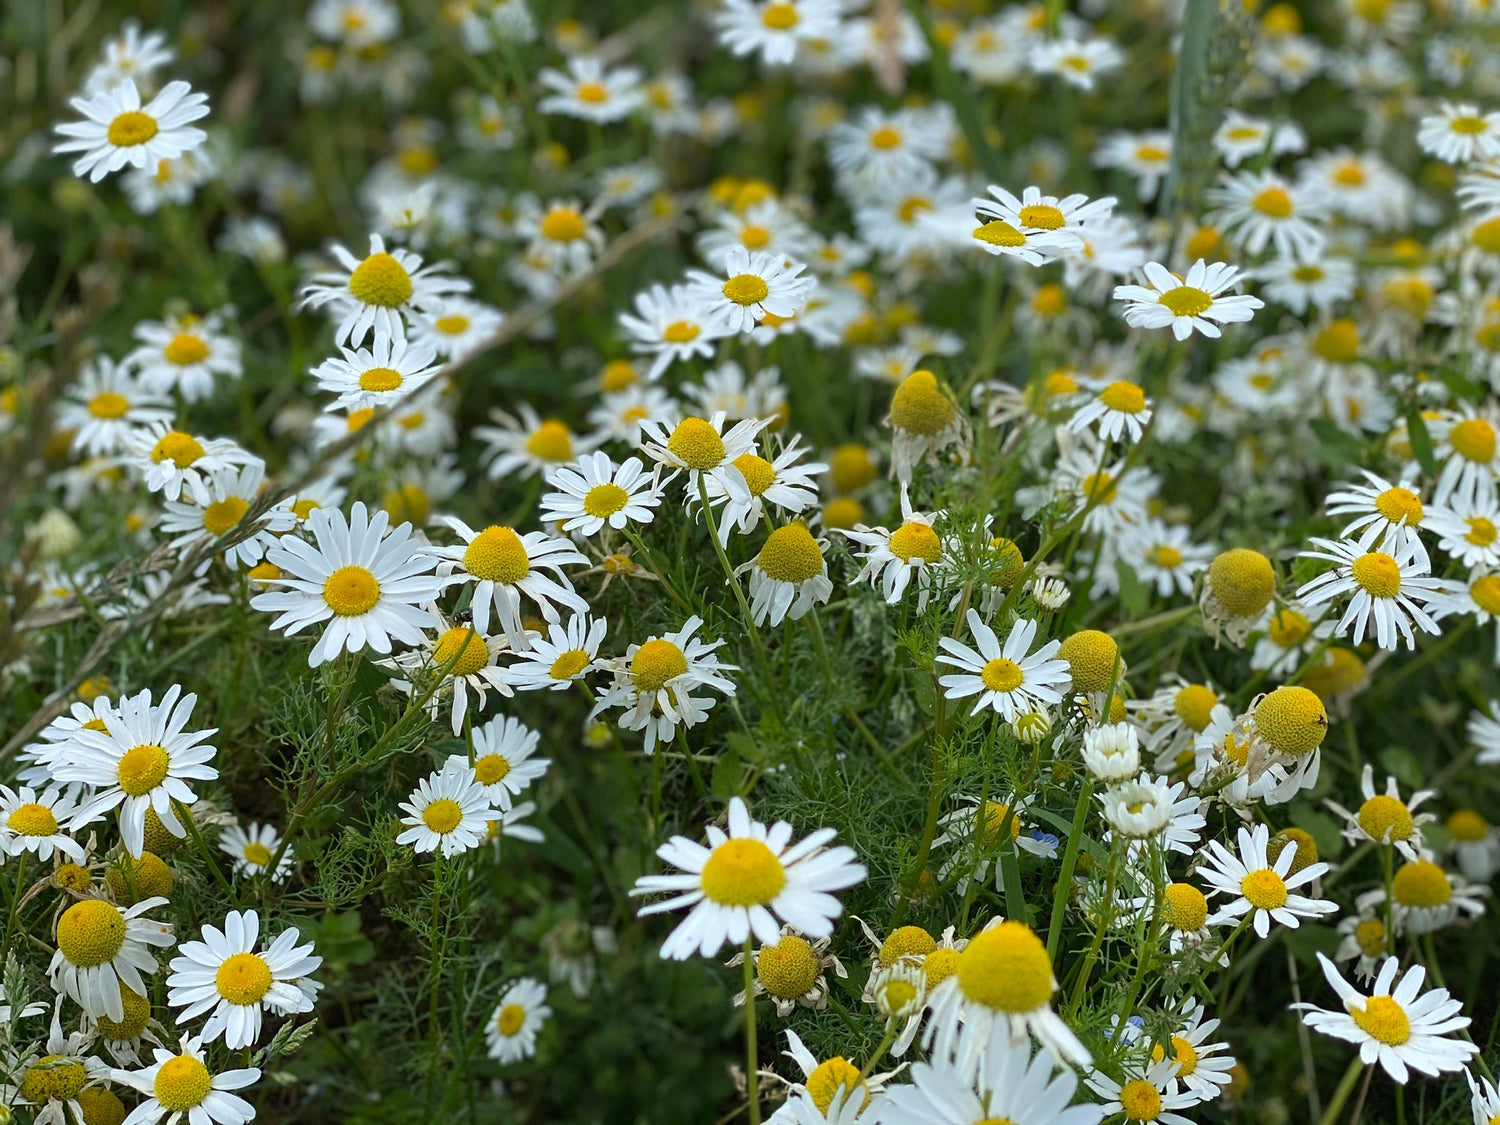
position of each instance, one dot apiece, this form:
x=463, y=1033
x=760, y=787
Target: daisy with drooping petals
x=459, y=660
x=253, y=849
x=502, y=759
x=1010, y=679
x=789, y=576
x=32, y=822
x=1384, y=818
x=372, y=295
x=565, y=655
x=1262, y=890
x=1402, y=1029
x=100, y=947
x=702, y=447
x=744, y=880
x=1183, y=304
x=655, y=682
x=389, y=369
x=594, y=491
x=517, y=1018
x=503, y=566
x=119, y=131
x=225, y=976
x=370, y=582
x=58, y=1076
x=893, y=558
x=181, y=1088
x=1394, y=508
x=1121, y=410
x=1390, y=587
x=449, y=811
x=755, y=285
x=105, y=405
x=141, y=760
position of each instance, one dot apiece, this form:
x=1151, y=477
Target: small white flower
x=1183, y=304
x=1459, y=134
x=502, y=760
x=373, y=295
x=517, y=1018
x=119, y=131
x=448, y=811
x=593, y=492
x=1261, y=889
x=388, y=370
x=253, y=849
x=1390, y=585
x=755, y=284
x=182, y=1088
x=1011, y=678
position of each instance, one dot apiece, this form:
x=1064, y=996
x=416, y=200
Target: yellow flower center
x=791, y=554
x=1467, y=124
x=1412, y=295
x=1473, y=439
x=1042, y=216
x=512, y=1016
x=132, y=128
x=1051, y=299
x=912, y=206
x=1002, y=675
x=604, y=500
x=1486, y=236
x=90, y=933
x=351, y=591
x=997, y=232
x=742, y=872
x=1385, y=819
x=746, y=289
x=563, y=224
x=491, y=768
x=357, y=418
x=53, y=1078
x=569, y=664
x=920, y=407
x=257, y=854
x=407, y=504
x=1126, y=398
x=32, y=820
x=442, y=815
x=71, y=877
x=990, y=818
x=1421, y=884
x=828, y=1078
x=681, y=332
x=551, y=441
x=885, y=137
x=243, y=978
x=595, y=93
x=1264, y=889
x=381, y=280
x=1187, y=300
x=1384, y=1019
x=938, y=966
x=1183, y=907
x=1287, y=627
x=109, y=405
x=1006, y=969
x=1274, y=202
x=655, y=664
x=182, y=1083
x=1370, y=937
x=222, y=515
x=137, y=1015
x=1338, y=342
x=498, y=555
x=1292, y=720
x=185, y=348
x=1308, y=273
x=177, y=447
x=461, y=648
x=380, y=379
x=916, y=540
x=1194, y=705
x=142, y=769
x=1091, y=656
x=753, y=237
x=696, y=444
x=787, y=969
x=757, y=471
x=779, y=17
x=454, y=324
x=1183, y=1051
x=905, y=941
x=1377, y=573
x=1396, y=504
x=1465, y=824
x=842, y=513
x=1140, y=1100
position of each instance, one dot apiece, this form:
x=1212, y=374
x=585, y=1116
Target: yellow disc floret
x=1305, y=855
x=1421, y=883
x=552, y=442
x=787, y=969
x=222, y=515
x=91, y=932
x=905, y=941
x=830, y=1077
x=32, y=819
x=490, y=769
x=851, y=467
x=1241, y=581
x=443, y=815
x=1123, y=397
x=1194, y=705
x=1002, y=675
x=351, y=591
x=132, y=128
x=1397, y=504
x=1186, y=300
x=1183, y=1051
x=655, y=664
x=497, y=554
x=142, y=769
x=512, y=1016
x=1468, y=826
x=1264, y=889
x=746, y=289
x=1140, y=1100
x=150, y=875
x=1184, y=907
x=1006, y=969
x=461, y=651
x=177, y=447
x=1093, y=659
x=1292, y=720
x=742, y=872
x=181, y=1084
x=1473, y=439
x=1383, y=1019
x=53, y=1078
x=696, y=444
x=604, y=500
x=137, y=1015
x=920, y=407
x=915, y=540
x=243, y=978
x=1385, y=819
x=381, y=280
x=100, y=1106
x=1377, y=573
x=791, y=554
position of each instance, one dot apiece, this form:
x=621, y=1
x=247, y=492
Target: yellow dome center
x=828, y=1078
x=1194, y=705
x=1338, y=342
x=53, y=1078
x=442, y=815
x=655, y=664
x=185, y=348
x=1184, y=907
x=132, y=128
x=885, y=137
x=843, y=513
x=1183, y=1051
x=1287, y=627
x=257, y=854
x=381, y=280
x=1369, y=935
x=512, y=1016
x=379, y=380
x=1485, y=591
x=696, y=444
x=1264, y=889
x=919, y=405
x=108, y=405
x=177, y=447
x=461, y=650
x=1273, y=202
x=222, y=515
x=182, y=1083
x=997, y=232
x=1140, y=1100
x=905, y=941
x=32, y=819
x=351, y=591
x=791, y=554
x=938, y=966
x=1377, y=574
x=1042, y=216
x=1002, y=675
x=758, y=473
x=1292, y=720
x=1421, y=883
x=1091, y=657
x=681, y=332
x=1006, y=969
x=594, y=93
x=742, y=872
x=787, y=969
x=454, y=324
x=551, y=441
x=916, y=540
x=569, y=664
x=1473, y=439
x=243, y=978
x=1383, y=1019
x=1242, y=581
x=1396, y=504
x=563, y=224
x=90, y=933
x=604, y=500
x=142, y=769
x=753, y=237
x=779, y=17
x=1464, y=824
x=746, y=289
x=497, y=554
x=1468, y=125
x=1187, y=300
x=1051, y=299
x=1385, y=819
x=491, y=768
x=1126, y=398
x=1482, y=532
x=137, y=1015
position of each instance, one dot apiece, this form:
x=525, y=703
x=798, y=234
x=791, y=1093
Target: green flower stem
x=1069, y=864
x=752, y=1054
x=1341, y=1095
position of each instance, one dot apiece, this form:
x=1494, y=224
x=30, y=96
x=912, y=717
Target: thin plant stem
x=752, y=1053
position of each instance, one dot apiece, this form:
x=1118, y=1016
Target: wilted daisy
x=744, y=880
x=1457, y=133
x=792, y=972
x=655, y=682
x=369, y=582
x=372, y=295
x=924, y=422
x=181, y=1088
x=893, y=558
x=106, y=404
x=1425, y=898
x=1011, y=678
x=389, y=369
x=503, y=761
x=1196, y=301
x=225, y=977
x=231, y=492
x=1475, y=844
x=60, y=1078
x=789, y=576
x=32, y=822
x=517, y=1018
x=1391, y=587
x=120, y=131
x=140, y=761
x=171, y=461
x=594, y=491
x=1260, y=889
x=253, y=850
x=504, y=566
x=100, y=947
x=565, y=655
x=755, y=285
x=449, y=811
x=1402, y=1029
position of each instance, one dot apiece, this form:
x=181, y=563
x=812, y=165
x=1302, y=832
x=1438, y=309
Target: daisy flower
x=370, y=583
x=456, y=329
x=389, y=369
x=1456, y=134
x=1292, y=632
x=1262, y=891
x=1315, y=281
x=59, y=1081
x=1035, y=247
x=505, y=566
x=1402, y=1029
x=1425, y=898
x=106, y=403
x=590, y=92
x=568, y=653
x=1390, y=587
x=757, y=482
x=893, y=558
x=119, y=131
x=876, y=148
x=1364, y=938
x=129, y=56
x=701, y=446
x=1196, y=301
x=141, y=761
x=184, y=354
x=792, y=972
x=231, y=492
x=1035, y=213
x=1200, y=1066
x=1155, y=809
x=181, y=1088
x=1146, y=156
x=448, y=811
x=669, y=325
x=378, y=293
x=1121, y=411
x=101, y=947
x=594, y=492
x=517, y=1018
x=223, y=976
x=1240, y=137
x=1475, y=845
x=502, y=760
x=527, y=445
x=1261, y=209
x=1396, y=509
x=1469, y=452
x=773, y=29
x=1076, y=62
x=173, y=461
x=1149, y=1094
x=789, y=576
x=756, y=285
x=975, y=831
x=1384, y=818
x=744, y=880
x=253, y=849
x=655, y=682
x=462, y=660
x=562, y=238
x=31, y=822
x=1162, y=556
x=1010, y=679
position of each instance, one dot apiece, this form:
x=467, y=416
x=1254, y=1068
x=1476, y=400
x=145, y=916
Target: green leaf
x=1321, y=827
x=728, y=776
x=1336, y=447
x=1421, y=441
x=1403, y=765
